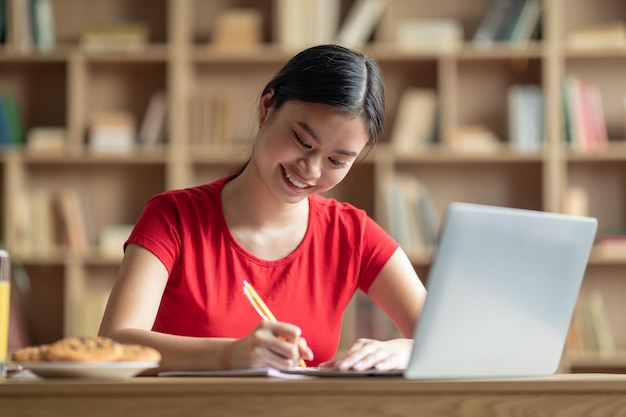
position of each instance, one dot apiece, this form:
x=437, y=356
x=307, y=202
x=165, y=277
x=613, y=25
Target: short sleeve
x=158, y=230
x=378, y=246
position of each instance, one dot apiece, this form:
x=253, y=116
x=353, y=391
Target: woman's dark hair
x=337, y=76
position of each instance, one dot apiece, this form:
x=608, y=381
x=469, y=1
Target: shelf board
x=617, y=52
x=615, y=152
x=597, y=258
x=443, y=155
x=380, y=51
x=54, y=259
x=58, y=55
x=62, y=53
x=590, y=360
x=503, y=51
x=219, y=155
x=139, y=157
x=152, y=53
x=265, y=53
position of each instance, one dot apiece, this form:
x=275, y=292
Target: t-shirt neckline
x=242, y=251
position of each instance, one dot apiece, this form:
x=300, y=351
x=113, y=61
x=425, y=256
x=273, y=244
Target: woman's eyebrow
x=304, y=126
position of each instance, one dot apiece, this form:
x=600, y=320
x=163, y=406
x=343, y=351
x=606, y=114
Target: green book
x=12, y=116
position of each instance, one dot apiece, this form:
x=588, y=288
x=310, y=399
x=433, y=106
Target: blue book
x=5, y=130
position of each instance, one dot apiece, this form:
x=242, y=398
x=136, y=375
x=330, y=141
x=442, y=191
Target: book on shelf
x=152, y=129
x=361, y=22
x=11, y=130
x=485, y=34
x=612, y=245
x=112, y=132
x=511, y=21
x=128, y=37
x=410, y=215
x=43, y=228
x=525, y=117
x=6, y=135
x=303, y=23
x=211, y=120
x=76, y=228
x=585, y=125
x=590, y=330
x=20, y=232
x=27, y=25
x=416, y=120
x=471, y=138
x=46, y=140
x=606, y=35
x=528, y=24
x=19, y=26
x=428, y=34
x=44, y=28
x=236, y=27
x=46, y=220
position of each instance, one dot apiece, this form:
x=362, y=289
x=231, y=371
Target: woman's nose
x=311, y=165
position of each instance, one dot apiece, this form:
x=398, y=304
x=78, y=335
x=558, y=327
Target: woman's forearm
x=179, y=352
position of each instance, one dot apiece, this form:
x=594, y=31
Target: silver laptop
x=501, y=293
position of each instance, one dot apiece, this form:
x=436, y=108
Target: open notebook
x=501, y=293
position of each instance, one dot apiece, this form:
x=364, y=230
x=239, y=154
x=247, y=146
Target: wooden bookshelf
x=65, y=86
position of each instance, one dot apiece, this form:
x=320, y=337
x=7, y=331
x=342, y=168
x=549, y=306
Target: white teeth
x=293, y=180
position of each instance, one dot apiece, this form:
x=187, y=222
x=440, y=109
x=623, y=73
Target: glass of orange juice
x=5, y=291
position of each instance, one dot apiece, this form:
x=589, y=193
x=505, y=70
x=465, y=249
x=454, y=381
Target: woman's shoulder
x=330, y=207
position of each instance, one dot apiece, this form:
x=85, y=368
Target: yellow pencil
x=261, y=308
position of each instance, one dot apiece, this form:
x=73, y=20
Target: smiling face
x=306, y=148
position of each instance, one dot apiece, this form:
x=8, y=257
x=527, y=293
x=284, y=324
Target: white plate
x=87, y=370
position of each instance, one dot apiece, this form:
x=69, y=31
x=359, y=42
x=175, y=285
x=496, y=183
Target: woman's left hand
x=368, y=353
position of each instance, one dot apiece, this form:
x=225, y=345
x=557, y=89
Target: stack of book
x=608, y=35
x=130, y=37
x=429, y=34
x=237, y=27
x=112, y=132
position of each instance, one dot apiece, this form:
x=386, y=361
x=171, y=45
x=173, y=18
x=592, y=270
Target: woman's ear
x=265, y=106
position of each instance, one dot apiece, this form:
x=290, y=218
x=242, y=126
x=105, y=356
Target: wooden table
x=589, y=395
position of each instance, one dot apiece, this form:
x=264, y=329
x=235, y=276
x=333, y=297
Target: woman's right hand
x=269, y=345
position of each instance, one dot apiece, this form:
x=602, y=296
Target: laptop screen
x=501, y=292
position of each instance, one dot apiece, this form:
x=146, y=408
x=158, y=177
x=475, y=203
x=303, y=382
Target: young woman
x=180, y=285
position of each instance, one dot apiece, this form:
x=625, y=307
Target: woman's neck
x=247, y=201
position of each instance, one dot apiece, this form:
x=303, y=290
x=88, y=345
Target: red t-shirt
x=343, y=249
